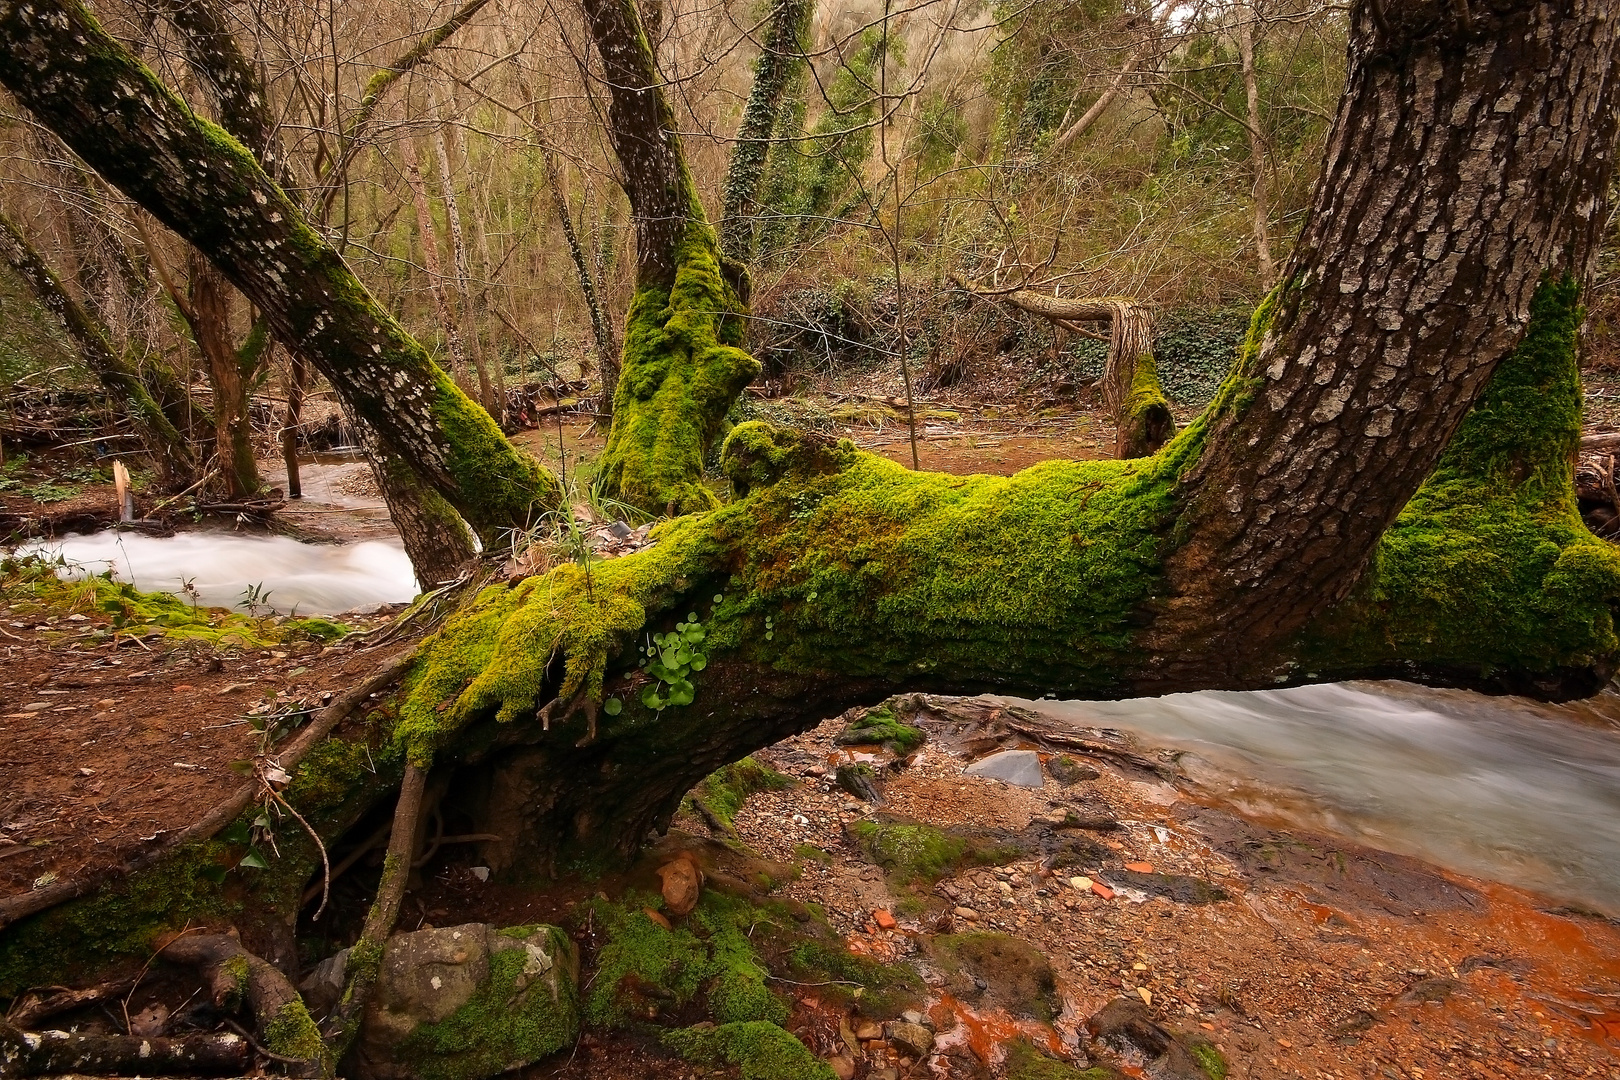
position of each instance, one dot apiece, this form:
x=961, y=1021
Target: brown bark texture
x=1464, y=165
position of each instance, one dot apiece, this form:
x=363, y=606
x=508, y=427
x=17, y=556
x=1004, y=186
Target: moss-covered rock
x=1024, y=1062
x=724, y=791
x=759, y=1050
x=469, y=1002
x=916, y=854
x=881, y=727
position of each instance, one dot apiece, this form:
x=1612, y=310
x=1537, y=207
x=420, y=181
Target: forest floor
x=1295, y=954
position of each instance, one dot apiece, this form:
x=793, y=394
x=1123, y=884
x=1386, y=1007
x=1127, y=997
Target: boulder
x=1021, y=768
x=468, y=1002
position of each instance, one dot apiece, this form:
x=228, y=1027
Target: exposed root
x=55, y=1053
x=581, y=704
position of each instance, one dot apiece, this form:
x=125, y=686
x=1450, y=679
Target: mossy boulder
x=879, y=726
x=468, y=1002
x=916, y=854
x=1007, y=971
x=1025, y=1062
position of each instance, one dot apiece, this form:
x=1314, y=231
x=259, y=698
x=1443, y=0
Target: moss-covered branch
x=207, y=187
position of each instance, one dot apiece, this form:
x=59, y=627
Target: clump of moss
x=758, y=1049
x=1209, y=1058
x=1024, y=1062
x=724, y=791
x=883, y=990
x=1013, y=972
x=517, y=1016
x=292, y=1033
x=681, y=371
x=915, y=854
x=882, y=727
x=644, y=968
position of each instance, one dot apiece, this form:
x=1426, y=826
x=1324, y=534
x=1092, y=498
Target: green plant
x=672, y=659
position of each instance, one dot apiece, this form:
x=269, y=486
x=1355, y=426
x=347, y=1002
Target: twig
x=326, y=865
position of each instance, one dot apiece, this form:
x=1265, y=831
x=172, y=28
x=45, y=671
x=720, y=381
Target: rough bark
x=202, y=184
x=682, y=368
x=52, y=1053
x=1463, y=167
x=1130, y=383
x=169, y=448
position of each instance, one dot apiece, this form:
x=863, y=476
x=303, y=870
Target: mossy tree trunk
x=231, y=372
x=781, y=58
x=1288, y=535
x=204, y=185
x=682, y=367
x=1130, y=381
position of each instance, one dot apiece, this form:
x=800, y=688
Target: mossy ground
x=757, y=1049
x=724, y=791
x=915, y=854
x=118, y=608
x=1024, y=1062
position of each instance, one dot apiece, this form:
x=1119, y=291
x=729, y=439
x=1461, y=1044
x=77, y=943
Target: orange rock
x=883, y=919
x=1102, y=890
x=683, y=881
x=657, y=916
x=1140, y=867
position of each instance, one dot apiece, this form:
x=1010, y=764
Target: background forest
x=1162, y=152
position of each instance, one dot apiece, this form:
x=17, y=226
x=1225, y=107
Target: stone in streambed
x=1021, y=768
x=1067, y=771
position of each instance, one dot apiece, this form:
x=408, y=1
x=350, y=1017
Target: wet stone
x=909, y=1038
x=1178, y=887
x=1021, y=768
x=1067, y=771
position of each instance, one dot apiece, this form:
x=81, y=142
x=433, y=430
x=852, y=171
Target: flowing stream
x=225, y=568
x=1501, y=788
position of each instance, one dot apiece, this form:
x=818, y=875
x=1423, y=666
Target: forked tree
x=1382, y=486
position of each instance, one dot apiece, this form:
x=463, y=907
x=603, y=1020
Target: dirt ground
x=1322, y=960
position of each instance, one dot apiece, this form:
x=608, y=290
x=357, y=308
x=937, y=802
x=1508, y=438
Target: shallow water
x=307, y=579
x=1497, y=787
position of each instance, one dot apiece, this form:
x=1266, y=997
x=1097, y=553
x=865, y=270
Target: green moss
x=1145, y=420
x=59, y=946
x=758, y=1049
x=725, y=791
x=883, y=990
x=500, y=486
x=882, y=727
x=1489, y=568
x=680, y=372
x=237, y=968
x=519, y=1015
x=1016, y=974
x=643, y=968
x=1024, y=1062
x=1209, y=1058
x=911, y=852
x=292, y=1033
x=317, y=629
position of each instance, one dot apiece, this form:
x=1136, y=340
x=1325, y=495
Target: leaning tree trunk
x=202, y=184
x=682, y=366
x=230, y=373
x=1130, y=382
x=119, y=378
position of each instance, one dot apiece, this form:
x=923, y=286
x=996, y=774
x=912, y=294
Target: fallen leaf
x=657, y=916
x=1285, y=1044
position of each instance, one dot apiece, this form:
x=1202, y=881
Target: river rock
x=469, y=1002
x=1067, y=771
x=908, y=1038
x=1021, y=768
x=1125, y=1026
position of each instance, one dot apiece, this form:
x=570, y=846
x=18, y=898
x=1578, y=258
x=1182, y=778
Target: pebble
x=883, y=919
x=966, y=913
x=910, y=1038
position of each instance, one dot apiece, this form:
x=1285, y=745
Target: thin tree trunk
x=429, y=233
x=458, y=246
x=169, y=448
x=208, y=312
x=297, y=380
x=1098, y=107
x=1257, y=148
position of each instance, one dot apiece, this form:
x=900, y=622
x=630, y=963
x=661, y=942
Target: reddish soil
x=104, y=749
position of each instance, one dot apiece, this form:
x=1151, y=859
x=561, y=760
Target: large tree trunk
x=682, y=366
x=130, y=128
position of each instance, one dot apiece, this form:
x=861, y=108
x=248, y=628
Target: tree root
x=365, y=960
x=234, y=974
x=581, y=704
x=321, y=724
x=34, y=1006
x=53, y=1053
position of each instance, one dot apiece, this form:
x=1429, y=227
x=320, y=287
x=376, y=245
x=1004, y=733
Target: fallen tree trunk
x=1130, y=382
x=53, y=1053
